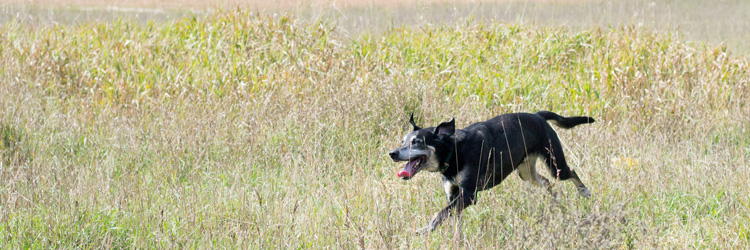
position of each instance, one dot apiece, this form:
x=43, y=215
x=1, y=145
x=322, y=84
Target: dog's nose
x=393, y=154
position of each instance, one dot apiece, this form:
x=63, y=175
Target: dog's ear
x=446, y=128
x=411, y=120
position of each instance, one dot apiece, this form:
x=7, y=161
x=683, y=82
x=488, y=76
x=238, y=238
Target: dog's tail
x=565, y=122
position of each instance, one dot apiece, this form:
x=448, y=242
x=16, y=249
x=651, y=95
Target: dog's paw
x=584, y=192
x=423, y=231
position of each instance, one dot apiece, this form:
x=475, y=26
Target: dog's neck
x=447, y=161
x=450, y=159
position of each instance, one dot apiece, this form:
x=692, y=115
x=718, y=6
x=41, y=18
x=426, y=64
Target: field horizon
x=239, y=129
x=722, y=23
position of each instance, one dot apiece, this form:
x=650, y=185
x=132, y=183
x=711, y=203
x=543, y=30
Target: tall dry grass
x=245, y=130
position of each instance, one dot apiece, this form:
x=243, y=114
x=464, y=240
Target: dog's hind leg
x=582, y=189
x=527, y=171
x=555, y=160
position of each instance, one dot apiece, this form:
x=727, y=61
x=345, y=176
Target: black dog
x=481, y=155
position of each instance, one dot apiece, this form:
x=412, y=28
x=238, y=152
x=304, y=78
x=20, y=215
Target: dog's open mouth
x=411, y=168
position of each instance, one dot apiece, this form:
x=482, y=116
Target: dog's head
x=424, y=148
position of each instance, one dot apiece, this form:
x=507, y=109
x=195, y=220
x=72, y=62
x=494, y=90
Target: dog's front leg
x=437, y=220
x=454, y=208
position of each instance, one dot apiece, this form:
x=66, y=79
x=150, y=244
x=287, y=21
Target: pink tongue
x=403, y=174
x=408, y=169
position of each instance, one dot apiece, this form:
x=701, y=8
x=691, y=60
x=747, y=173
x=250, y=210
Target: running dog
x=481, y=155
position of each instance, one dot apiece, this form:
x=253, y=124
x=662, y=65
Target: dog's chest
x=458, y=178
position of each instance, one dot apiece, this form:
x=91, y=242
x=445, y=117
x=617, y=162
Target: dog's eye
x=416, y=141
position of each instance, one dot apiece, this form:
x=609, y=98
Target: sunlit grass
x=246, y=130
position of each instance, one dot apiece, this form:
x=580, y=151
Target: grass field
x=244, y=130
